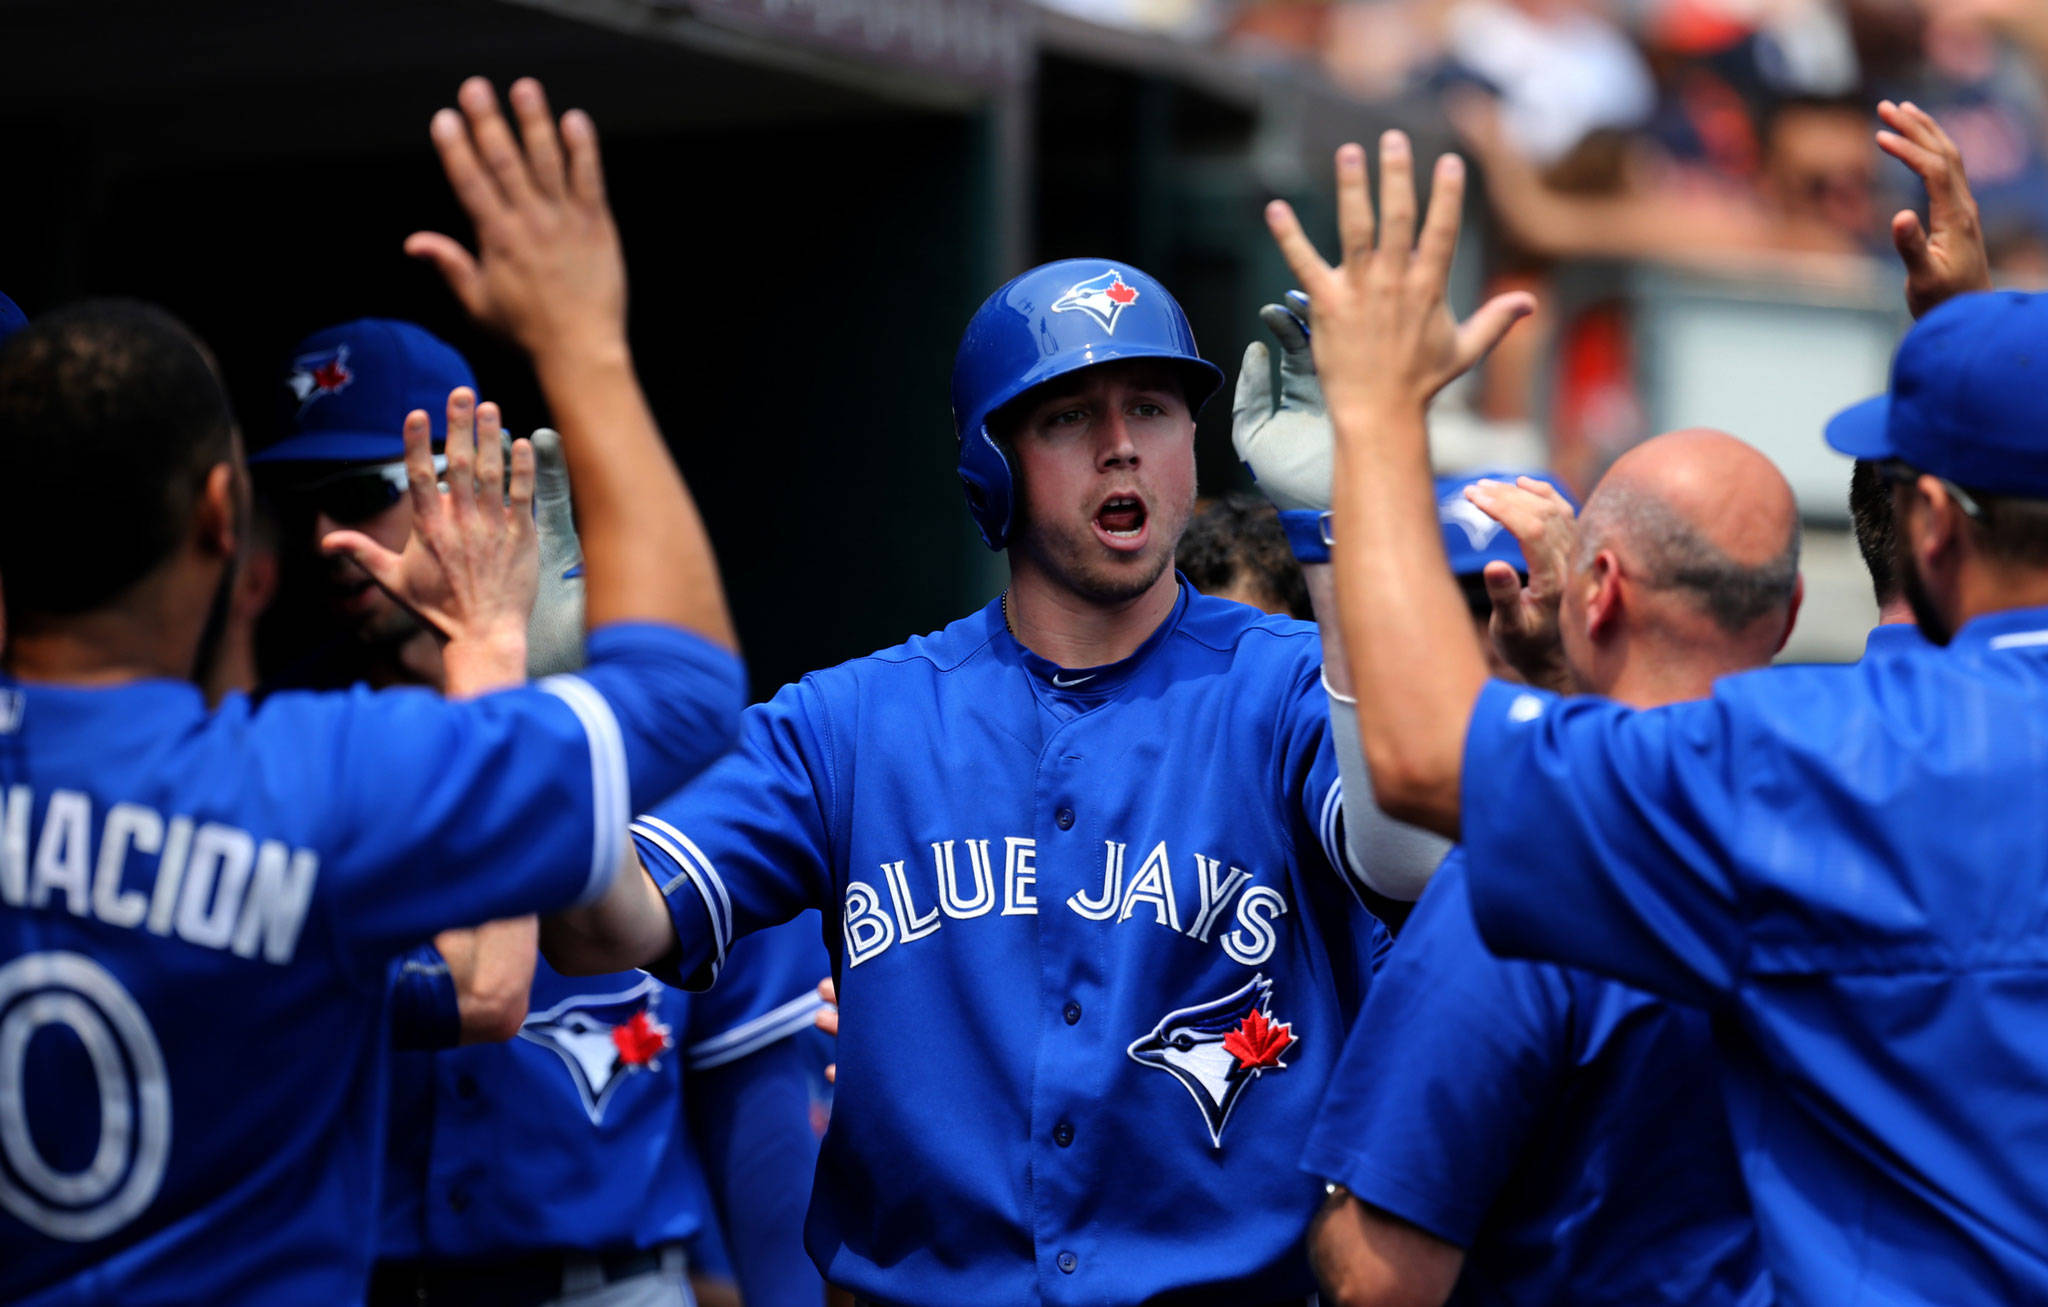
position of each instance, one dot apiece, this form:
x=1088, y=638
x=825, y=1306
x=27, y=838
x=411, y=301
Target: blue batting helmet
x=1055, y=319
x=1471, y=538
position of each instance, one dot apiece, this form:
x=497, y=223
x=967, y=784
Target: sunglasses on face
x=359, y=493
x=1898, y=472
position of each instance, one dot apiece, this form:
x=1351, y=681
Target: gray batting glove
x=1287, y=443
x=554, y=637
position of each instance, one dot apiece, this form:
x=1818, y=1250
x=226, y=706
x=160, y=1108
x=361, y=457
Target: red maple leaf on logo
x=331, y=375
x=1120, y=293
x=641, y=1040
x=1258, y=1042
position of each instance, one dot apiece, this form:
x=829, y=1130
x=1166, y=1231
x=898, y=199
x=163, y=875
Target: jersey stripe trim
x=696, y=876
x=755, y=1035
x=1330, y=831
x=611, y=794
x=717, y=881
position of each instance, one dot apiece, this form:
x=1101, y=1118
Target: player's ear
x=1603, y=582
x=216, y=519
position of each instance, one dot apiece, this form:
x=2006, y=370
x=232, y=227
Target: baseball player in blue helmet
x=1083, y=858
x=1847, y=864
x=199, y=910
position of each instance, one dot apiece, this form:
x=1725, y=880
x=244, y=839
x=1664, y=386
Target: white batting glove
x=554, y=635
x=1287, y=444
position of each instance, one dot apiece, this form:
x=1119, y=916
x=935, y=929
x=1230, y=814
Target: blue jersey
x=198, y=916
x=1566, y=1131
x=573, y=1135
x=1851, y=865
x=1095, y=957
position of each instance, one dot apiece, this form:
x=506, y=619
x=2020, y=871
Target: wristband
x=1308, y=534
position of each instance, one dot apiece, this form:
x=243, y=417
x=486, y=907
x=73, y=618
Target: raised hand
x=1524, y=626
x=1285, y=442
x=1945, y=258
x=1384, y=340
x=548, y=271
x=469, y=569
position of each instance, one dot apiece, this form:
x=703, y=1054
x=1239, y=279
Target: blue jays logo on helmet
x=1055, y=319
x=314, y=376
x=1218, y=1049
x=1102, y=298
x=1471, y=538
x=603, y=1039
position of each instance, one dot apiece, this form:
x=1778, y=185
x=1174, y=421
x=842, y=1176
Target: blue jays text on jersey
x=1564, y=1130
x=198, y=916
x=1097, y=952
x=573, y=1135
x=1850, y=864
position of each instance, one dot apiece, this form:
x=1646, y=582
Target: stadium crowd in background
x=1113, y=854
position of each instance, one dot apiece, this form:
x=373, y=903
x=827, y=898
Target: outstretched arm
x=549, y=274
x=1286, y=442
x=1385, y=343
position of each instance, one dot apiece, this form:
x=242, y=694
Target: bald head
x=1700, y=513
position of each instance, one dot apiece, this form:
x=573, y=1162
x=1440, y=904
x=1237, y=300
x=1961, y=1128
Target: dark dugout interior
x=801, y=258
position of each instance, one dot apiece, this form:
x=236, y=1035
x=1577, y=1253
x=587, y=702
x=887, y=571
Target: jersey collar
x=2015, y=628
x=1893, y=636
x=1106, y=679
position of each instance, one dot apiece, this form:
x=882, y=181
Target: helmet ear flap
x=990, y=483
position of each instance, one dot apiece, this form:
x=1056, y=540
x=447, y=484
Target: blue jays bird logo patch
x=315, y=375
x=603, y=1039
x=1216, y=1050
x=1103, y=298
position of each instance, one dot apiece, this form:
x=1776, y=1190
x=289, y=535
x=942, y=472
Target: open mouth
x=1121, y=520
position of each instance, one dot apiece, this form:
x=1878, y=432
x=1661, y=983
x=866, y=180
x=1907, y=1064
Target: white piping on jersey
x=2020, y=640
x=1327, y=830
x=415, y=967
x=752, y=1036
x=647, y=986
x=610, y=788
x=717, y=881
x=703, y=878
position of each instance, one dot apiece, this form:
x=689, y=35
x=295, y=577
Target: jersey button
x=1068, y=1262
x=1063, y=1134
x=1072, y=1013
x=1065, y=817
x=459, y=1200
x=465, y=1087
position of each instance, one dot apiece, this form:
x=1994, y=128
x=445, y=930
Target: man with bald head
x=1516, y=1132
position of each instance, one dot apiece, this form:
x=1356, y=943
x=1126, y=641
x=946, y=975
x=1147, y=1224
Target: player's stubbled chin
x=1120, y=523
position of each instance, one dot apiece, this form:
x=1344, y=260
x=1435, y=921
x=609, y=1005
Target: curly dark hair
x=1238, y=538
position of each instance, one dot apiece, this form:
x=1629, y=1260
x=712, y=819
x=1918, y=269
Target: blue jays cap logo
x=604, y=1039
x=1103, y=298
x=318, y=374
x=1458, y=511
x=1217, y=1050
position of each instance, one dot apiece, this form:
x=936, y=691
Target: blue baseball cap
x=12, y=319
x=1471, y=538
x=348, y=389
x=1968, y=400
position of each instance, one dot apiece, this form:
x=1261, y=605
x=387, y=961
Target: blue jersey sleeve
x=1444, y=1074
x=1598, y=836
x=767, y=991
x=522, y=796
x=425, y=1010
x=748, y=844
